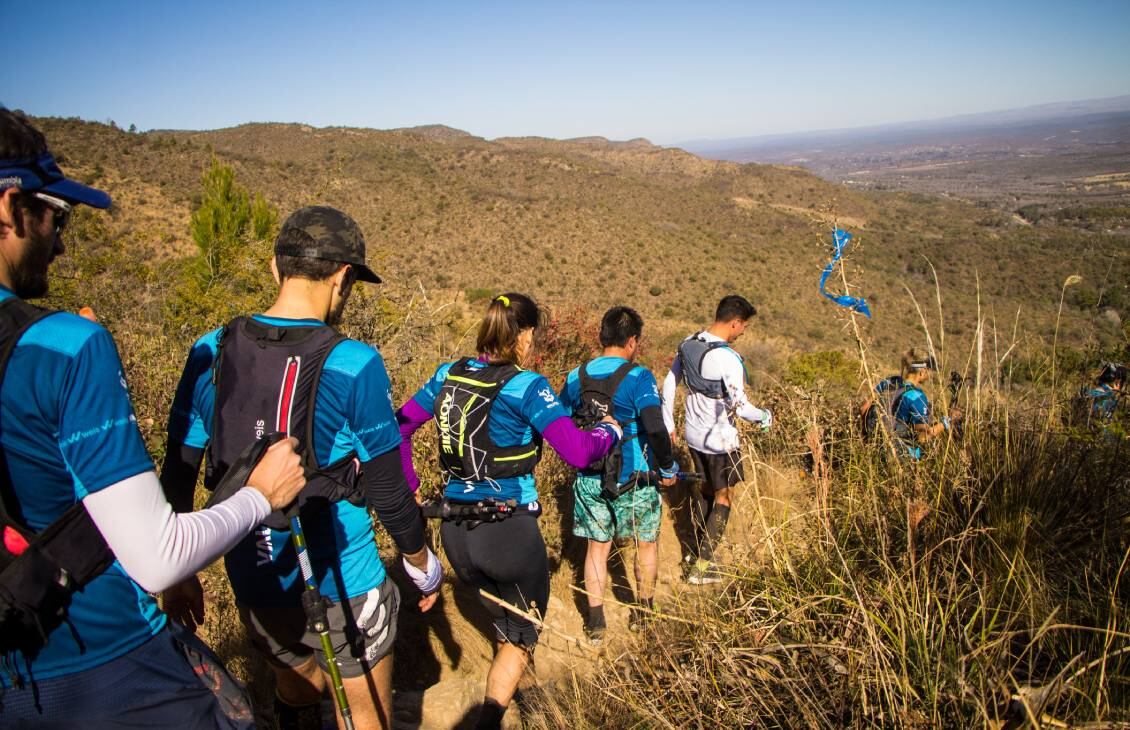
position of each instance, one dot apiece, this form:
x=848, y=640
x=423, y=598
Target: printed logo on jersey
x=547, y=396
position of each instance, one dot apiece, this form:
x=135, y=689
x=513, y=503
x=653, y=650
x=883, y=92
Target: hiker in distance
x=614, y=498
x=1101, y=401
x=491, y=416
x=715, y=376
x=289, y=370
x=81, y=504
x=903, y=407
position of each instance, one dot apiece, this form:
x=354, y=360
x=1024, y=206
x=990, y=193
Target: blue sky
x=666, y=71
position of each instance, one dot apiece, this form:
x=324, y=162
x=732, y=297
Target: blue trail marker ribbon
x=840, y=240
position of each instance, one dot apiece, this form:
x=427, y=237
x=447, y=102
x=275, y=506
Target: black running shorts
x=721, y=470
x=506, y=559
x=281, y=637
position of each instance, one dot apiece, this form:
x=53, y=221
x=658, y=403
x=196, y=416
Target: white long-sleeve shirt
x=158, y=547
x=710, y=426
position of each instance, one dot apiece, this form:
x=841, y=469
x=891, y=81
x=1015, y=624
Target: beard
x=29, y=275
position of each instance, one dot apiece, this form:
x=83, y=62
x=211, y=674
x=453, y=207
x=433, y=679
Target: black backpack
x=596, y=403
x=266, y=379
x=462, y=414
x=39, y=572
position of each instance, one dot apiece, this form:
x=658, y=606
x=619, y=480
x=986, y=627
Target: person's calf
x=715, y=529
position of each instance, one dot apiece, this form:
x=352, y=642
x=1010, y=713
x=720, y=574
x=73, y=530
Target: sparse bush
x=478, y=294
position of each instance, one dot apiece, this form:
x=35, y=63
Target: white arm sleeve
x=733, y=377
x=670, y=386
x=158, y=547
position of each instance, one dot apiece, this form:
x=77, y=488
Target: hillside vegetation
x=592, y=223
x=984, y=586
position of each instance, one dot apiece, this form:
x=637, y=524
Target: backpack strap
x=309, y=458
x=900, y=429
x=607, y=386
x=16, y=317
x=217, y=361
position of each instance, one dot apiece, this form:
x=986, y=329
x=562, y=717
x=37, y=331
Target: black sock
x=596, y=617
x=715, y=529
x=490, y=716
x=300, y=717
x=700, y=507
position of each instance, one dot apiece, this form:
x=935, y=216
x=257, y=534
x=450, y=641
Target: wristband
x=428, y=582
x=612, y=429
x=670, y=473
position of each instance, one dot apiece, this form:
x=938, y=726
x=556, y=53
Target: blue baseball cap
x=42, y=174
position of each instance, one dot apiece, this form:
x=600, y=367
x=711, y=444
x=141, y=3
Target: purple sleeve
x=410, y=417
x=578, y=448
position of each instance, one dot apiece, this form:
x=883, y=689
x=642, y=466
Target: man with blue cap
x=87, y=534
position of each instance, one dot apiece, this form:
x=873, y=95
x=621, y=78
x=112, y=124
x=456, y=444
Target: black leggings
x=506, y=559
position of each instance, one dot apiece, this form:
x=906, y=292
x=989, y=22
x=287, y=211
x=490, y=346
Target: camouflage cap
x=322, y=232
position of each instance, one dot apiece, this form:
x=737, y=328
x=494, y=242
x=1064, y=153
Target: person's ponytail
x=506, y=317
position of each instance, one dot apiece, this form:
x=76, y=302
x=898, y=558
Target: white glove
x=428, y=582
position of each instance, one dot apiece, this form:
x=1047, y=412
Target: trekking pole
x=314, y=606
x=652, y=478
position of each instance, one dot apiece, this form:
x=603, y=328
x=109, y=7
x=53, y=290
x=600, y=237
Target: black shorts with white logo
x=720, y=470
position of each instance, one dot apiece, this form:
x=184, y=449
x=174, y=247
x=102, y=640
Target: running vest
x=596, y=402
x=39, y=571
x=266, y=379
x=884, y=408
x=692, y=351
x=462, y=414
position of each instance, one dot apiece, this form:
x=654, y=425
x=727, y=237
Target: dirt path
x=442, y=659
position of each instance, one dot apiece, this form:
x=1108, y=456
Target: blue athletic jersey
x=525, y=404
x=352, y=415
x=1104, y=400
x=67, y=429
x=636, y=392
x=913, y=409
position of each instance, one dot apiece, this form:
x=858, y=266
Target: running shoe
x=594, y=631
x=703, y=573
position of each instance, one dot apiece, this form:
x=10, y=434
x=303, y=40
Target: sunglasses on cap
x=59, y=207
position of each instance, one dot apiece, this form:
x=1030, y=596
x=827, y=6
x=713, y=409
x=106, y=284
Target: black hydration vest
x=595, y=401
x=266, y=379
x=462, y=413
x=39, y=572
x=692, y=351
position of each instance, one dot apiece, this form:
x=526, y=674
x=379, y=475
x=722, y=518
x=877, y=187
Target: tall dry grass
x=984, y=585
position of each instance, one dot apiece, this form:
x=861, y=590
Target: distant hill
x=589, y=223
x=1041, y=154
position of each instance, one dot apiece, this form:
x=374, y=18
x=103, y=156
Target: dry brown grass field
x=948, y=594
